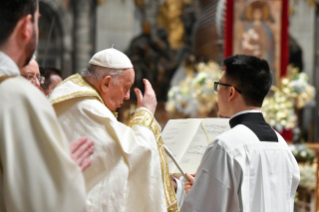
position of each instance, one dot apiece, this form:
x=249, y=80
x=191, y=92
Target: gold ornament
x=170, y=17
x=99, y=2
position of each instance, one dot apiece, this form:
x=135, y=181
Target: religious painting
x=257, y=29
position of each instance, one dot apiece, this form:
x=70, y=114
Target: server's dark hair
x=251, y=76
x=11, y=11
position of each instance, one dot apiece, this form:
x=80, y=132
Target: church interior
x=179, y=46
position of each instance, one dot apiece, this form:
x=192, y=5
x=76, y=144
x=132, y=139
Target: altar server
x=250, y=167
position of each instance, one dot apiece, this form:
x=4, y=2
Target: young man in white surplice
x=250, y=167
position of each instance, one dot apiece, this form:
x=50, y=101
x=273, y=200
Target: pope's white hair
x=98, y=73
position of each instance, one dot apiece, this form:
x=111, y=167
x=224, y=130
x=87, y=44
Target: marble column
x=316, y=76
x=84, y=30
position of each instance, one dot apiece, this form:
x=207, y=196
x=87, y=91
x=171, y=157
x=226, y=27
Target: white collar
x=245, y=111
x=8, y=66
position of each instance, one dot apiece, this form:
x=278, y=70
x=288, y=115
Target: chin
x=222, y=116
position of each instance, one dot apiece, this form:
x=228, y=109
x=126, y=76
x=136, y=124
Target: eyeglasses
x=216, y=86
x=32, y=78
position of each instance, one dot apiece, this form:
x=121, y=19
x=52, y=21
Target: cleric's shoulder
x=17, y=90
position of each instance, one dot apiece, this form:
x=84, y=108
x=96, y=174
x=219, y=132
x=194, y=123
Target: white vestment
x=129, y=169
x=241, y=172
x=36, y=170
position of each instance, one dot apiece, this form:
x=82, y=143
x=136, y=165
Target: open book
x=188, y=139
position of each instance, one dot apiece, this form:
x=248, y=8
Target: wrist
x=143, y=108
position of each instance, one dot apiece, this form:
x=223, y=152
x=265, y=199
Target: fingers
x=190, y=178
x=174, y=183
x=74, y=145
x=188, y=183
x=187, y=187
x=139, y=95
x=81, y=150
x=86, y=164
x=77, y=154
x=85, y=155
x=148, y=100
x=148, y=87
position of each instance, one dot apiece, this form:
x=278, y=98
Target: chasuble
x=129, y=169
x=249, y=168
x=36, y=170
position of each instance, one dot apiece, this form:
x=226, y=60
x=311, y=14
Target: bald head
x=52, y=79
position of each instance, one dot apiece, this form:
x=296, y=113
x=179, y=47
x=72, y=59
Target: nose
x=127, y=95
x=36, y=82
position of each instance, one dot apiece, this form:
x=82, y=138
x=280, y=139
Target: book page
x=177, y=135
x=193, y=156
x=209, y=130
x=216, y=126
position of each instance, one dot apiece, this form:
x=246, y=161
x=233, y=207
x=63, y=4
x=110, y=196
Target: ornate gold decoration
x=312, y=3
x=99, y=2
x=170, y=17
x=139, y=3
x=146, y=119
x=263, y=6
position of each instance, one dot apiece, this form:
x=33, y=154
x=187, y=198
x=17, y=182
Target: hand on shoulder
x=81, y=150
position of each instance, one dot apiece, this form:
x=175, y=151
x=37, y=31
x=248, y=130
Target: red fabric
x=286, y=134
x=228, y=32
x=284, y=39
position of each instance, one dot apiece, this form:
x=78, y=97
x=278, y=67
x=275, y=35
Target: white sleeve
x=213, y=188
x=180, y=191
x=295, y=180
x=37, y=173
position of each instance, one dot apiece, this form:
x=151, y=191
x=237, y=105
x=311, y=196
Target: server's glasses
x=218, y=84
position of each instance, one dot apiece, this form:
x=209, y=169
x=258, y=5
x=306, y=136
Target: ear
x=105, y=84
x=232, y=94
x=25, y=28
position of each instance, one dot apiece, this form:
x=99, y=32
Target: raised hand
x=149, y=100
x=81, y=150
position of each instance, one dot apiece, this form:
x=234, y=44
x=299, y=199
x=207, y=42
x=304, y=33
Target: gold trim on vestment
x=144, y=118
x=80, y=81
x=4, y=77
x=73, y=96
x=77, y=79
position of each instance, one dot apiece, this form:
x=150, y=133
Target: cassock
x=129, y=169
x=36, y=170
x=248, y=168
